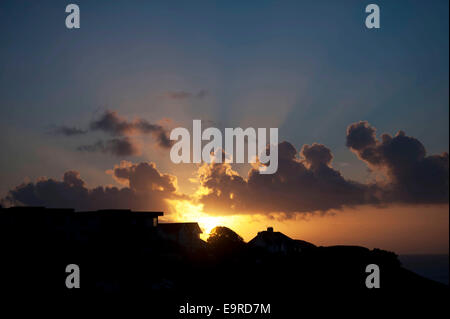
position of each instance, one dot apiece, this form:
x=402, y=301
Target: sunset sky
x=85, y=114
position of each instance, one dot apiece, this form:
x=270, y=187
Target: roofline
x=180, y=223
x=183, y=224
x=42, y=208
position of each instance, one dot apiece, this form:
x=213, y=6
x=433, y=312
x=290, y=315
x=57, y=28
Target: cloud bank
x=412, y=176
x=145, y=189
x=302, y=183
x=306, y=180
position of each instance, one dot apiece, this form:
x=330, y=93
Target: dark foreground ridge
x=126, y=253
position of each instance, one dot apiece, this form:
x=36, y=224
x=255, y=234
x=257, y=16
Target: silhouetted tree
x=224, y=240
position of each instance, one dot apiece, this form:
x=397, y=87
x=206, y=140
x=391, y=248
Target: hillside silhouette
x=125, y=253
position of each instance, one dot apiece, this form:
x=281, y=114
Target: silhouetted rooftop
x=176, y=227
x=41, y=209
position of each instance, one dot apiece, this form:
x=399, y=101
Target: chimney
x=270, y=229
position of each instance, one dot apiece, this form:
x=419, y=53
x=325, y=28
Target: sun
x=186, y=211
x=207, y=224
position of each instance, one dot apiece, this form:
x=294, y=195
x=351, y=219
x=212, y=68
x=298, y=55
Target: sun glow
x=186, y=211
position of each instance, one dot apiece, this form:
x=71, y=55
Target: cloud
x=147, y=189
x=144, y=177
x=117, y=146
x=67, y=131
x=122, y=131
x=303, y=183
x=181, y=95
x=307, y=182
x=110, y=122
x=316, y=154
x=412, y=176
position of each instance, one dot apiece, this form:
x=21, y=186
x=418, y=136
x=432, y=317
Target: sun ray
x=186, y=211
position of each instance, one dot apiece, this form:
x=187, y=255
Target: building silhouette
x=277, y=242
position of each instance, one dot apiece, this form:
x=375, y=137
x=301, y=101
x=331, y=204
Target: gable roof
x=278, y=238
x=270, y=237
x=36, y=210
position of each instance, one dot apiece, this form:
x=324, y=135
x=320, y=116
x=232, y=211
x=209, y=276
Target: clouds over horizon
x=122, y=132
x=304, y=183
x=145, y=188
x=306, y=180
x=411, y=175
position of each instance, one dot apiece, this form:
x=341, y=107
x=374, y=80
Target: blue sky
x=308, y=67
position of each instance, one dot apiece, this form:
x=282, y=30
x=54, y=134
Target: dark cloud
x=144, y=177
x=122, y=130
x=316, y=154
x=412, y=176
x=163, y=139
x=147, y=189
x=301, y=184
x=307, y=182
x=360, y=135
x=116, y=146
x=181, y=95
x=67, y=131
x=110, y=122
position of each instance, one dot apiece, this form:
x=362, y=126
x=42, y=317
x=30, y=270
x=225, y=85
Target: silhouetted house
x=35, y=223
x=276, y=242
x=110, y=244
x=185, y=234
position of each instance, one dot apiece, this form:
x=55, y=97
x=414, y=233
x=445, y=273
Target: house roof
x=304, y=244
x=277, y=238
x=126, y=212
x=271, y=237
x=111, y=212
x=176, y=227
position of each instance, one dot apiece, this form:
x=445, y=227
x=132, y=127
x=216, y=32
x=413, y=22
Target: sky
x=85, y=113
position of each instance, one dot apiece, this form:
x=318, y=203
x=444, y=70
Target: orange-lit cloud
x=146, y=189
x=307, y=182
